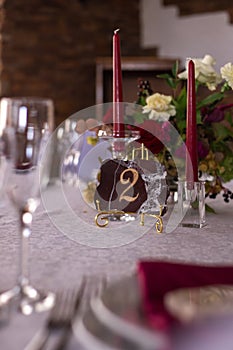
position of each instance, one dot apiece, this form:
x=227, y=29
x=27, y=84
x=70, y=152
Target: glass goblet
x=26, y=124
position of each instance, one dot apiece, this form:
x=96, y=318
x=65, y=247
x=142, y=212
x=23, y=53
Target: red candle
x=118, y=116
x=191, y=127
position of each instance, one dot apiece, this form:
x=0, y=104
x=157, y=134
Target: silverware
x=94, y=286
x=56, y=332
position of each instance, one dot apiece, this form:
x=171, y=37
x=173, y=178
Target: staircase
x=199, y=6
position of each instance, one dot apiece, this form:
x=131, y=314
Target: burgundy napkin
x=156, y=278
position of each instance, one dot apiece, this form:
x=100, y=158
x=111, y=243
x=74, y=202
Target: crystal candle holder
x=191, y=204
x=119, y=145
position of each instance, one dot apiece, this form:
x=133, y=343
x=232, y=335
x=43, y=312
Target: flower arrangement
x=214, y=120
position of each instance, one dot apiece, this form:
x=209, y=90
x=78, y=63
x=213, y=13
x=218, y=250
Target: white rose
x=204, y=72
x=159, y=107
x=227, y=73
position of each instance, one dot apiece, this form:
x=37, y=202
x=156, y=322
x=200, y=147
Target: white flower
x=159, y=107
x=227, y=73
x=204, y=72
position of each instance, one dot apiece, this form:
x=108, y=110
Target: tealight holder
x=191, y=204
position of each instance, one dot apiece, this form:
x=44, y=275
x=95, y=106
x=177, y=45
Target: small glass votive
x=191, y=204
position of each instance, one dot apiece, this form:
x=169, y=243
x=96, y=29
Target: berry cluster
x=227, y=195
x=213, y=195
x=144, y=90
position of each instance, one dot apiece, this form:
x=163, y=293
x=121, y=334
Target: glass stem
x=25, y=231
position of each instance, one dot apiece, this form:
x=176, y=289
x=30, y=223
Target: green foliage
x=209, y=209
x=210, y=100
x=217, y=136
x=214, y=128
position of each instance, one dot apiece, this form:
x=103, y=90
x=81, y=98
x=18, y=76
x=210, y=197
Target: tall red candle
x=118, y=116
x=191, y=127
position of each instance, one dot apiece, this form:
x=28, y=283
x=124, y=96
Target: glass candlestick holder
x=119, y=145
x=191, y=204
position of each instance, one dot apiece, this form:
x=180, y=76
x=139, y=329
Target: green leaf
x=199, y=119
x=164, y=76
x=171, y=82
x=221, y=132
x=228, y=117
x=180, y=104
x=182, y=96
x=209, y=209
x=225, y=87
x=222, y=146
x=210, y=100
x=169, y=79
x=175, y=68
x=181, y=124
x=194, y=205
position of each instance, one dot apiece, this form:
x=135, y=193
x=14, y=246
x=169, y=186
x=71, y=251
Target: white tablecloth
x=58, y=260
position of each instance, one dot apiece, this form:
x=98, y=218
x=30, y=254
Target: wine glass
x=26, y=124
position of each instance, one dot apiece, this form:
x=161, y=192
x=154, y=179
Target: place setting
x=138, y=312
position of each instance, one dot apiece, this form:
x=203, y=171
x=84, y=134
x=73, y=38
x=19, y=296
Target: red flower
x=149, y=130
x=215, y=115
x=153, y=134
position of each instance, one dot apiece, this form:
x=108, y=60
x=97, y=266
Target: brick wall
x=48, y=48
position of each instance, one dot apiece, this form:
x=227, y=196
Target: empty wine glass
x=26, y=124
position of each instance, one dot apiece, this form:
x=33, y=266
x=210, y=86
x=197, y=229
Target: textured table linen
x=58, y=260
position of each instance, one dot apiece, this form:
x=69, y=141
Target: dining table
x=66, y=244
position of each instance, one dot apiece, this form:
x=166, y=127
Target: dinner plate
x=201, y=302
x=115, y=320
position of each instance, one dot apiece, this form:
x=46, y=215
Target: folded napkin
x=156, y=278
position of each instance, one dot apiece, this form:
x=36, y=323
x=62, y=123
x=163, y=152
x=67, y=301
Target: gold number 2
x=123, y=181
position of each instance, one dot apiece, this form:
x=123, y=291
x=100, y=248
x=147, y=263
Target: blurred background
x=62, y=49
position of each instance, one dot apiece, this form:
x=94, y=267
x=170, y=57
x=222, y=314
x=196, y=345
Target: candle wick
x=116, y=31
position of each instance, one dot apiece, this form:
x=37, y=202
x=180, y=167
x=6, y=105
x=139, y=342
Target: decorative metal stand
x=102, y=218
x=158, y=222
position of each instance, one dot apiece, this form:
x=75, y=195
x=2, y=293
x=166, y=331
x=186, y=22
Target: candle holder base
x=191, y=204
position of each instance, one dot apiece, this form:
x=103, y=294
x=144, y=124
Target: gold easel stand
x=102, y=218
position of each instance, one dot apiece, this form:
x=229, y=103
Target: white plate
x=194, y=303
x=116, y=321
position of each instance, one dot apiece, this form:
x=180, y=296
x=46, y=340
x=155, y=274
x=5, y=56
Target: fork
x=55, y=334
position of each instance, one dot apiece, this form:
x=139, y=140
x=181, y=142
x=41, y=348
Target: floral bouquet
x=154, y=113
x=214, y=121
